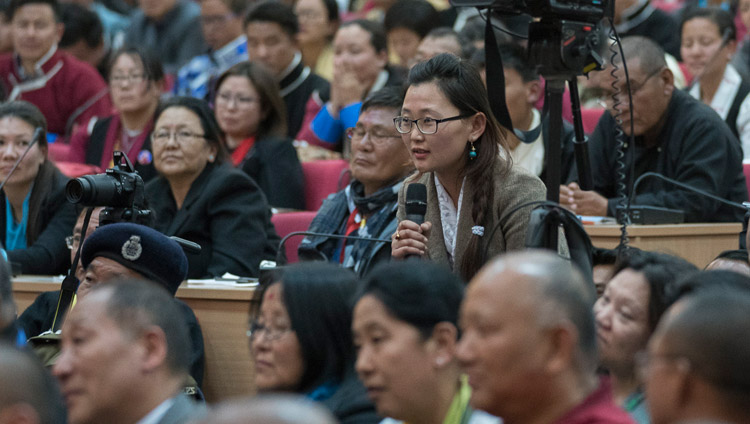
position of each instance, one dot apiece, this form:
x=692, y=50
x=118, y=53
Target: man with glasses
x=675, y=135
x=696, y=368
x=67, y=91
x=221, y=21
x=367, y=207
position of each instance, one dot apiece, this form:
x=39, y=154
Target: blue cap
x=141, y=249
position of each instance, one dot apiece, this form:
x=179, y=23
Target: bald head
x=33, y=393
x=273, y=409
x=643, y=52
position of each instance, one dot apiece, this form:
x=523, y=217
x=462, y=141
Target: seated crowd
x=443, y=316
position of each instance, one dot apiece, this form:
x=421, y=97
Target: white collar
x=449, y=216
x=157, y=413
x=38, y=65
x=293, y=64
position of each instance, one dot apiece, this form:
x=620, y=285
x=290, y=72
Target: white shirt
x=530, y=156
x=157, y=413
x=722, y=102
x=449, y=217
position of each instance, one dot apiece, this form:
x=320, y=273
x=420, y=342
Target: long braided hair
x=460, y=83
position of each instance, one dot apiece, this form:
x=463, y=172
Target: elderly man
x=696, y=367
x=125, y=356
x=367, y=207
x=28, y=394
x=529, y=343
x=126, y=250
x=675, y=135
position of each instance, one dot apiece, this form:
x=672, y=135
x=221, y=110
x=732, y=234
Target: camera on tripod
x=120, y=189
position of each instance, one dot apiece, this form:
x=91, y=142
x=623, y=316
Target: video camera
x=119, y=188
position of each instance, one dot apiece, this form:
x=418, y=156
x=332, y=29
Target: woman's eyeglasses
x=424, y=125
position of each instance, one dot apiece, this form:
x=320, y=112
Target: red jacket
x=67, y=91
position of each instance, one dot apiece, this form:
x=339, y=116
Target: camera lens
x=95, y=190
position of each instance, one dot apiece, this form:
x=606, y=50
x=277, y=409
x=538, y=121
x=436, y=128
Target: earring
x=211, y=157
x=473, y=152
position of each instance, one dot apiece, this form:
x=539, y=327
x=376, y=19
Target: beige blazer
x=512, y=190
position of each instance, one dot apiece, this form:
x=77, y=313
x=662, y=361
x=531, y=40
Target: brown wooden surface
x=698, y=243
x=223, y=315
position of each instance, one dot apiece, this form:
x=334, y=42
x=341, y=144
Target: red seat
x=323, y=177
x=590, y=118
x=289, y=222
x=746, y=169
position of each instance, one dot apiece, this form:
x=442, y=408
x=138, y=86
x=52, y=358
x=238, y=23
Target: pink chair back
x=590, y=118
x=323, y=177
x=746, y=170
x=289, y=222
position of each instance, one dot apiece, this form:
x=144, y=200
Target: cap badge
x=132, y=248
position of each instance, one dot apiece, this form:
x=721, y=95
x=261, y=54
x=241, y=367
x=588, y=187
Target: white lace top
x=449, y=217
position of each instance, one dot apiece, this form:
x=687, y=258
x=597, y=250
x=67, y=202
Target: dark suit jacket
x=226, y=213
x=275, y=167
x=48, y=254
x=350, y=404
x=183, y=410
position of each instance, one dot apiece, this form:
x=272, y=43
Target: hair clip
x=478, y=230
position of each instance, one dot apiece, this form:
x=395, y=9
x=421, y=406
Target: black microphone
x=280, y=253
x=704, y=193
x=416, y=205
x=34, y=139
x=416, y=202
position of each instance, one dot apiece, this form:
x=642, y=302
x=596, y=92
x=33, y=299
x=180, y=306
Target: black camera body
x=120, y=189
x=590, y=11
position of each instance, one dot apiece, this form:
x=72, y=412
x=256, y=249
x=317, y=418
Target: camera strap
x=495, y=76
x=70, y=283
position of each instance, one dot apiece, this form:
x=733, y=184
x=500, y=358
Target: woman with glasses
x=474, y=194
x=37, y=215
x=318, y=21
x=252, y=115
x=200, y=198
x=136, y=79
x=643, y=287
x=405, y=327
x=300, y=340
x=367, y=207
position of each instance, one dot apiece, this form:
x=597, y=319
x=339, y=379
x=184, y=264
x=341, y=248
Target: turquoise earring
x=473, y=152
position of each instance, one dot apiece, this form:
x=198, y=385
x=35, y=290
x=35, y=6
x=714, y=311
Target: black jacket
x=38, y=317
x=48, y=254
x=296, y=88
x=273, y=164
x=226, y=213
x=697, y=148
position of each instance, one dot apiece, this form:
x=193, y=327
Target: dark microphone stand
x=280, y=254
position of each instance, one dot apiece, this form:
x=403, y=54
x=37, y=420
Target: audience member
x=28, y=394
x=675, y=135
x=360, y=67
x=709, y=40
x=251, y=113
x=270, y=409
x=318, y=22
x=406, y=329
x=125, y=356
x=523, y=90
x=37, y=216
x=200, y=198
x=721, y=279
x=406, y=23
x=67, y=91
x=169, y=29
x=641, y=18
x=221, y=22
x=528, y=343
x=459, y=148
x=136, y=79
x=440, y=40
x=696, y=366
x=84, y=36
x=731, y=260
x=161, y=261
x=301, y=340
x=115, y=23
x=643, y=287
x=367, y=207
x=271, y=30
x=39, y=316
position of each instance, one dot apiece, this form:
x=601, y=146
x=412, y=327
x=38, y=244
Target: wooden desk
x=698, y=243
x=223, y=315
